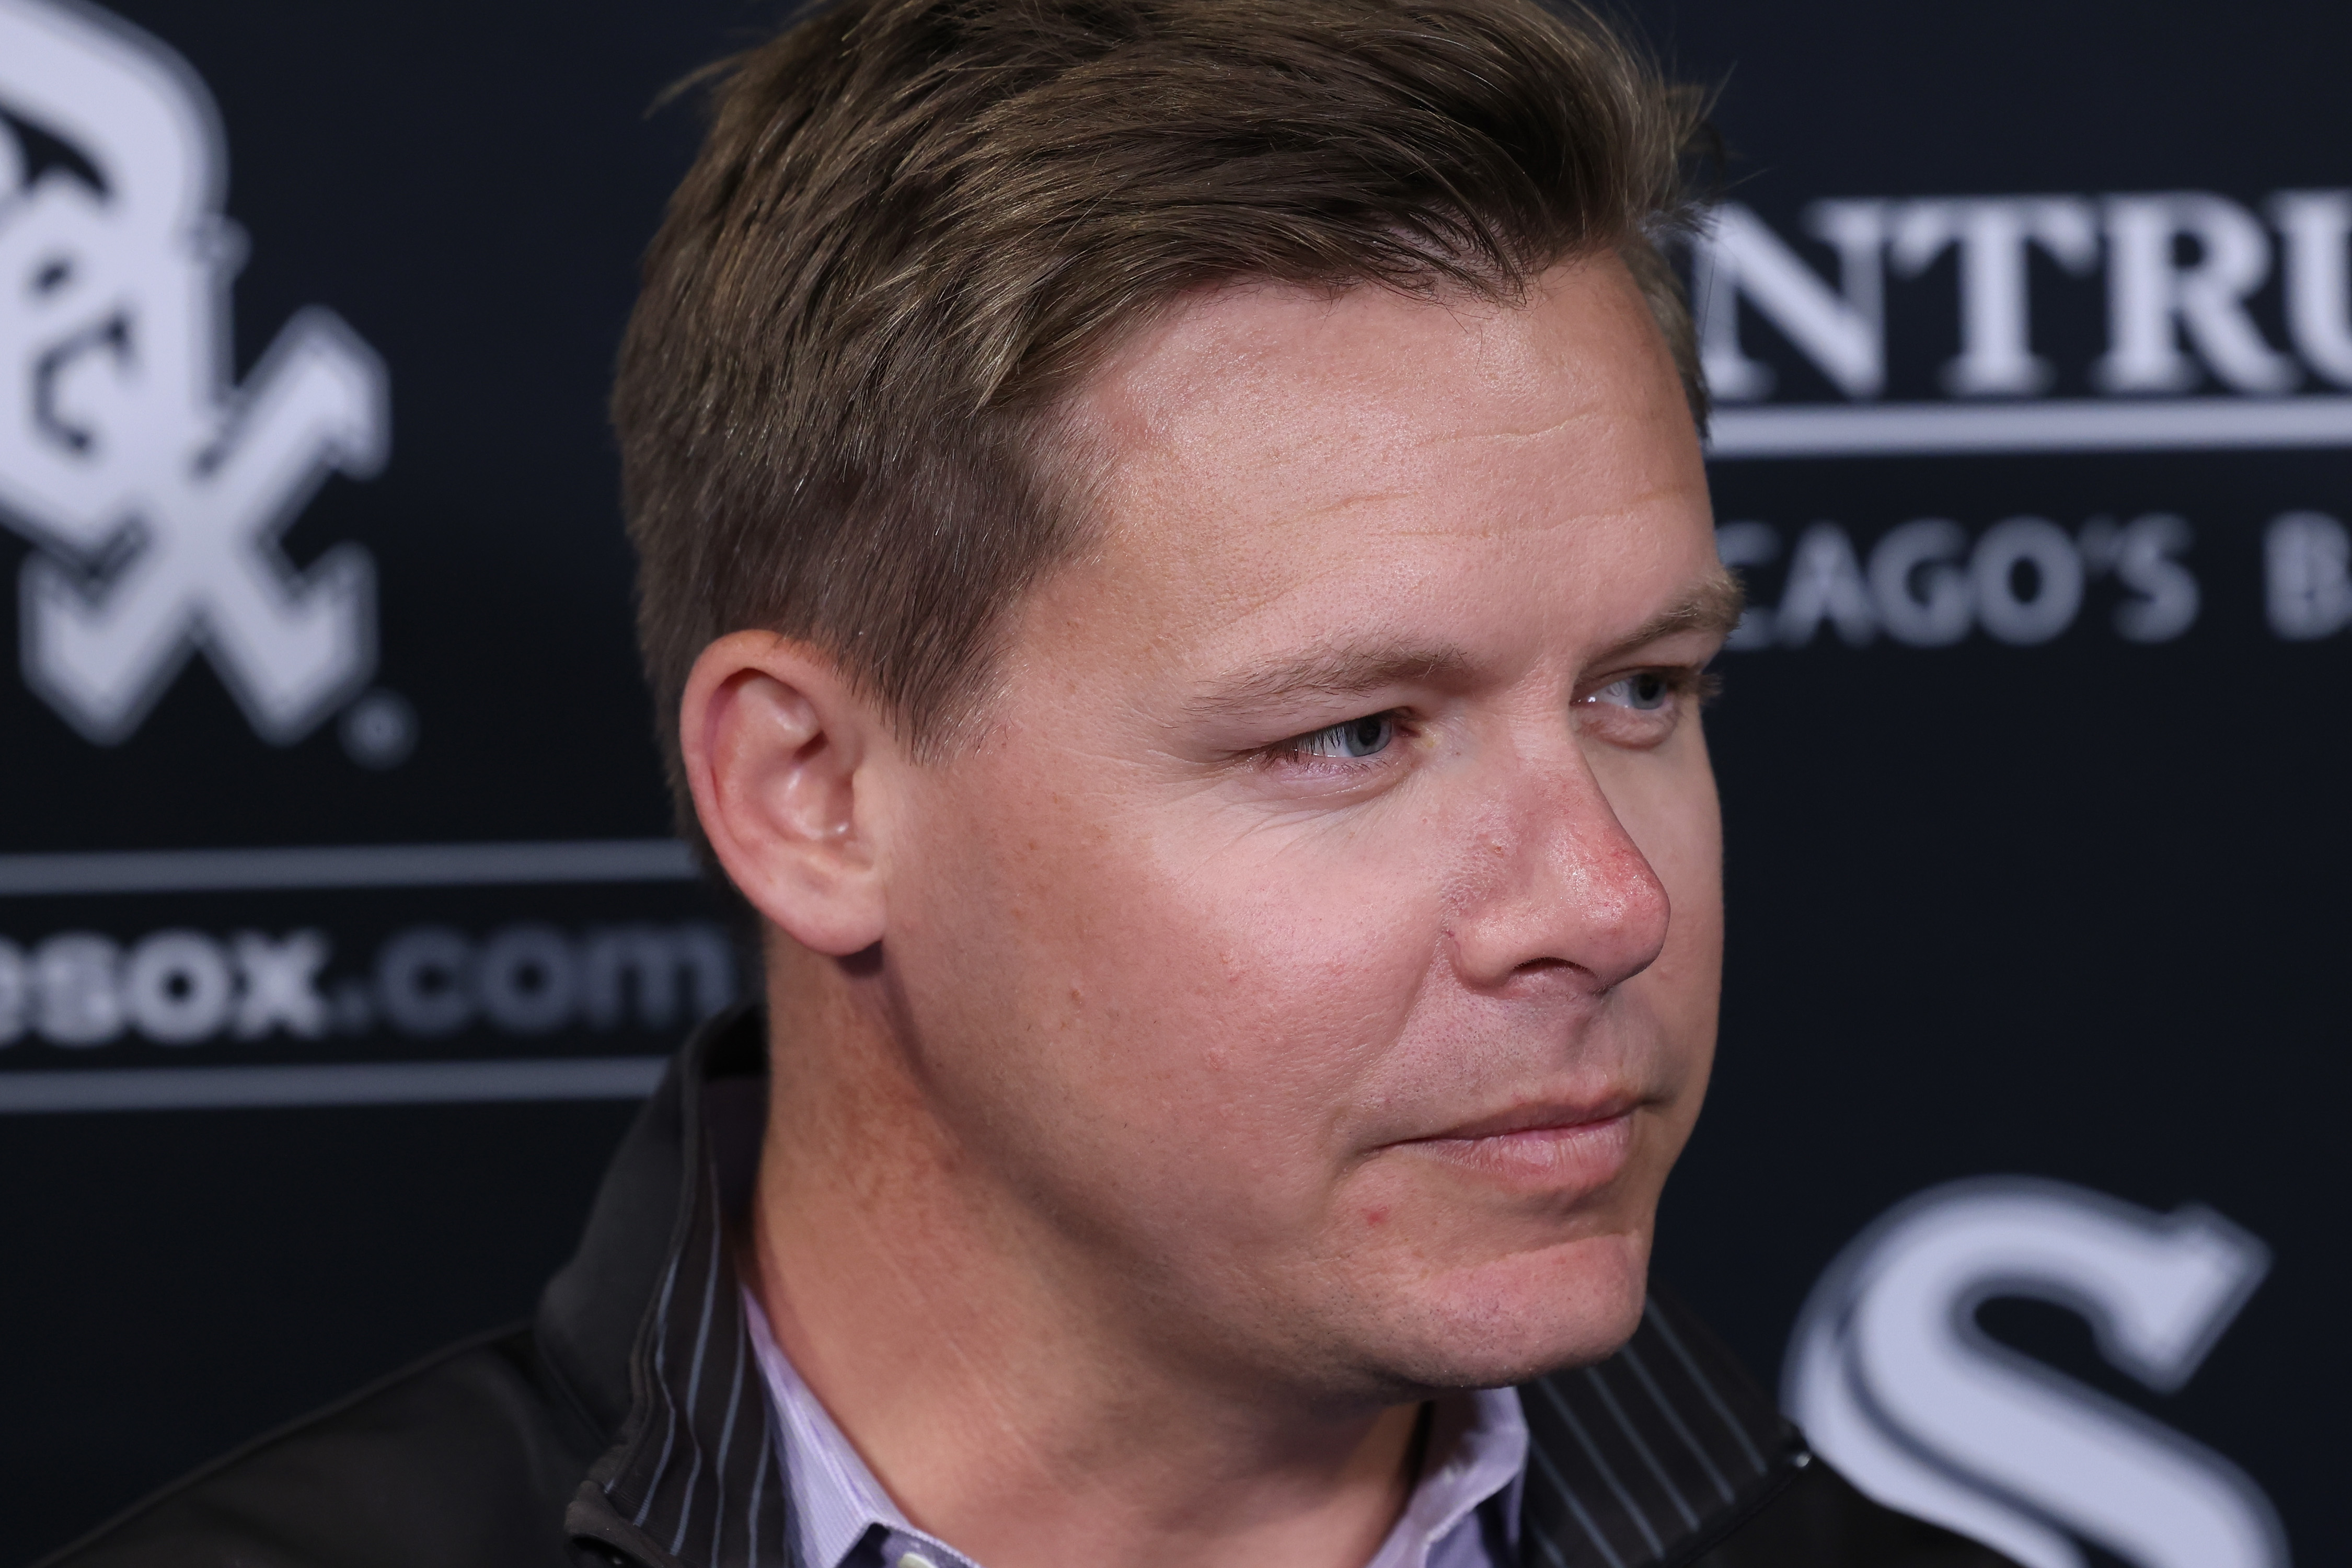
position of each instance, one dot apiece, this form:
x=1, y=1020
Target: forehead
x=1266, y=448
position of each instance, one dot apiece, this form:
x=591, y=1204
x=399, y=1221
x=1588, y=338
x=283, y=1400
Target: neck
x=1012, y=1405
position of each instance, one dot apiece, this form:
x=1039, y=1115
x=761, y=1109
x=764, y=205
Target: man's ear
x=783, y=759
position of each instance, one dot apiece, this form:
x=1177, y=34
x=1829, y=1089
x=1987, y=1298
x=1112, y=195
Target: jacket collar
x=644, y=1327
x=1645, y=1460
x=1652, y=1455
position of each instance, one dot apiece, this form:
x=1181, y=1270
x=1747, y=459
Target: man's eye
x=1357, y=738
x=1647, y=690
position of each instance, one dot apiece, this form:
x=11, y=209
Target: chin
x=1522, y=1315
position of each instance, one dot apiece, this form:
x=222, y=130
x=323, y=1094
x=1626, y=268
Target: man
x=1178, y=573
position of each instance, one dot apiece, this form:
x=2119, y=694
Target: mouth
x=1543, y=1148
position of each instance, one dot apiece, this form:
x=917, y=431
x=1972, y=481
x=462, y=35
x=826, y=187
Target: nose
x=1555, y=881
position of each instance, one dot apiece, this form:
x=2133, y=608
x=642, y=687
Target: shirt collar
x=836, y=1500
x=1477, y=1453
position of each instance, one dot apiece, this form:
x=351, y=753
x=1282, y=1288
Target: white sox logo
x=1893, y=1380
x=153, y=488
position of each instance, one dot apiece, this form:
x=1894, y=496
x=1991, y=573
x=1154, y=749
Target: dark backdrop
x=2059, y=907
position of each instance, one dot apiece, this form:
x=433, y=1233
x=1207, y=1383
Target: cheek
x=1191, y=1006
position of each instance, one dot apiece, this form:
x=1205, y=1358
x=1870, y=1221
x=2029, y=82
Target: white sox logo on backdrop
x=152, y=486
x=1891, y=1376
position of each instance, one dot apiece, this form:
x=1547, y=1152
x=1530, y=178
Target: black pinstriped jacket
x=627, y=1424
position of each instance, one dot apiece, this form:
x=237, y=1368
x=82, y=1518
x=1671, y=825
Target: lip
x=1544, y=1147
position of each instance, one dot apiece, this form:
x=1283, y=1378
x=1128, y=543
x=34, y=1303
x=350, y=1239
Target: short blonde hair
x=914, y=224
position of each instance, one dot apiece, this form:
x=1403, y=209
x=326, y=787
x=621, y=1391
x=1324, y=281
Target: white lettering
x=15, y=987
x=2307, y=573
x=176, y=987
x=2028, y=580
x=1824, y=582
x=74, y=977
x=425, y=979
x=1994, y=235
x=180, y=987
x=2153, y=297
x=528, y=979
x=1739, y=546
x=280, y=989
x=1842, y=332
x=2317, y=226
x=2167, y=597
x=2024, y=582
x=655, y=960
x=533, y=979
x=1922, y=593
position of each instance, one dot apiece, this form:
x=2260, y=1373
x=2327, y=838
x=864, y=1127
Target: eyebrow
x=1339, y=669
x=1712, y=605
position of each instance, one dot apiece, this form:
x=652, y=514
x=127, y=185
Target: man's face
x=1314, y=961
